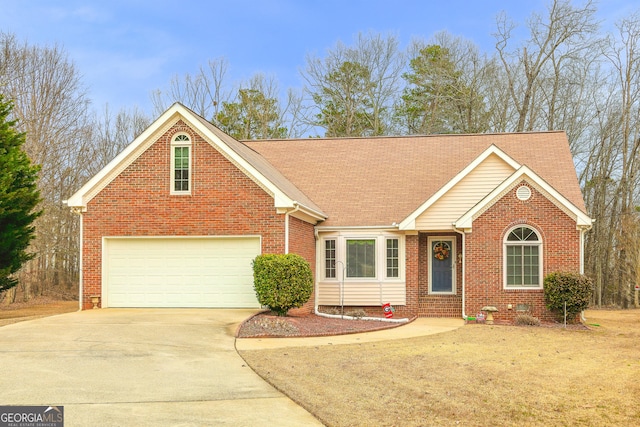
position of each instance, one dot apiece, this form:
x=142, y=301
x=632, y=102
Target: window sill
x=523, y=288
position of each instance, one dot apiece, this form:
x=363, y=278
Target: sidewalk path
x=419, y=327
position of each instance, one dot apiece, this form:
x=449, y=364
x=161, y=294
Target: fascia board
x=465, y=221
x=409, y=222
x=281, y=200
x=78, y=198
x=102, y=178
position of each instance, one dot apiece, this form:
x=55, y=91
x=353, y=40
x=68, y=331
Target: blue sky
x=126, y=49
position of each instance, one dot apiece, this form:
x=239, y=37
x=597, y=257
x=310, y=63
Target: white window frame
x=538, y=243
x=175, y=143
x=334, y=267
x=381, y=238
x=386, y=257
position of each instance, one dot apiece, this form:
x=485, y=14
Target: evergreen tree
x=253, y=116
x=19, y=197
x=437, y=98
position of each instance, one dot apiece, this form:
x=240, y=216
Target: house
x=438, y=225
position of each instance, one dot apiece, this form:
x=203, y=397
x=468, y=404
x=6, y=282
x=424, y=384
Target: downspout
x=80, y=284
x=583, y=231
x=78, y=211
x=286, y=226
x=464, y=269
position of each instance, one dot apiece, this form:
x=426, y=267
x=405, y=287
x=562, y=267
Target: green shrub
x=282, y=282
x=572, y=288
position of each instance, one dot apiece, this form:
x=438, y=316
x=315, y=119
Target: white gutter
x=393, y=227
x=464, y=269
x=286, y=226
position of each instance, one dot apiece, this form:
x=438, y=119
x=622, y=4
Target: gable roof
x=285, y=194
x=523, y=173
x=372, y=182
x=382, y=181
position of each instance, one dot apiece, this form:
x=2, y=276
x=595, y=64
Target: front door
x=441, y=265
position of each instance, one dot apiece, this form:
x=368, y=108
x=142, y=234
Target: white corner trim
x=466, y=221
x=409, y=222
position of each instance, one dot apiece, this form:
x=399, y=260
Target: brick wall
x=302, y=242
x=223, y=201
x=484, y=267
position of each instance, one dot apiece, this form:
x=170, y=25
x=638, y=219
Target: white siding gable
x=479, y=182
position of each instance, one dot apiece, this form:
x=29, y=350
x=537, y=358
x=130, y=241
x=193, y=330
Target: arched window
x=523, y=258
x=181, y=164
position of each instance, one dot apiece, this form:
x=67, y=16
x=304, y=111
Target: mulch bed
x=268, y=325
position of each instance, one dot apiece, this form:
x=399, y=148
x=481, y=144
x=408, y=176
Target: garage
x=204, y=272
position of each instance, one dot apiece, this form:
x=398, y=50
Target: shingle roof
x=382, y=180
x=262, y=165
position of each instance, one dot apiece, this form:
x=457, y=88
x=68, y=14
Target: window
x=392, y=258
x=330, y=259
x=181, y=162
x=361, y=258
x=523, y=258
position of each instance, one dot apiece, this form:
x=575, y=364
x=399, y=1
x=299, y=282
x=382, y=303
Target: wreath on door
x=441, y=251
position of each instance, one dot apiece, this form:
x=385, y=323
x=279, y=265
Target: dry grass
x=475, y=376
x=34, y=309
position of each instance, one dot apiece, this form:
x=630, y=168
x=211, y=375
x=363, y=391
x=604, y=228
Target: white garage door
x=179, y=272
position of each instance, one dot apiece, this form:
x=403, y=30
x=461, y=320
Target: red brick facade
x=302, y=241
x=483, y=255
x=223, y=202
x=485, y=252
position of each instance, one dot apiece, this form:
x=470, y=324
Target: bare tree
x=203, y=92
x=51, y=107
x=560, y=36
x=610, y=174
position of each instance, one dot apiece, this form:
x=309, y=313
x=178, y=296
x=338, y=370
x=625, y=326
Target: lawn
x=478, y=375
x=40, y=307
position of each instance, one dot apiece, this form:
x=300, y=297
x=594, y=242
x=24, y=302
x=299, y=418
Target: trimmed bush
x=282, y=282
x=574, y=289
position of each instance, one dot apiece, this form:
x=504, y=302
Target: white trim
x=452, y=256
x=386, y=257
x=409, y=223
x=80, y=264
x=465, y=222
x=380, y=238
x=175, y=113
x=104, y=277
x=539, y=244
x=181, y=144
x=359, y=228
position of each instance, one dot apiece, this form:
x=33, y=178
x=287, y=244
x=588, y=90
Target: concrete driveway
x=140, y=367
